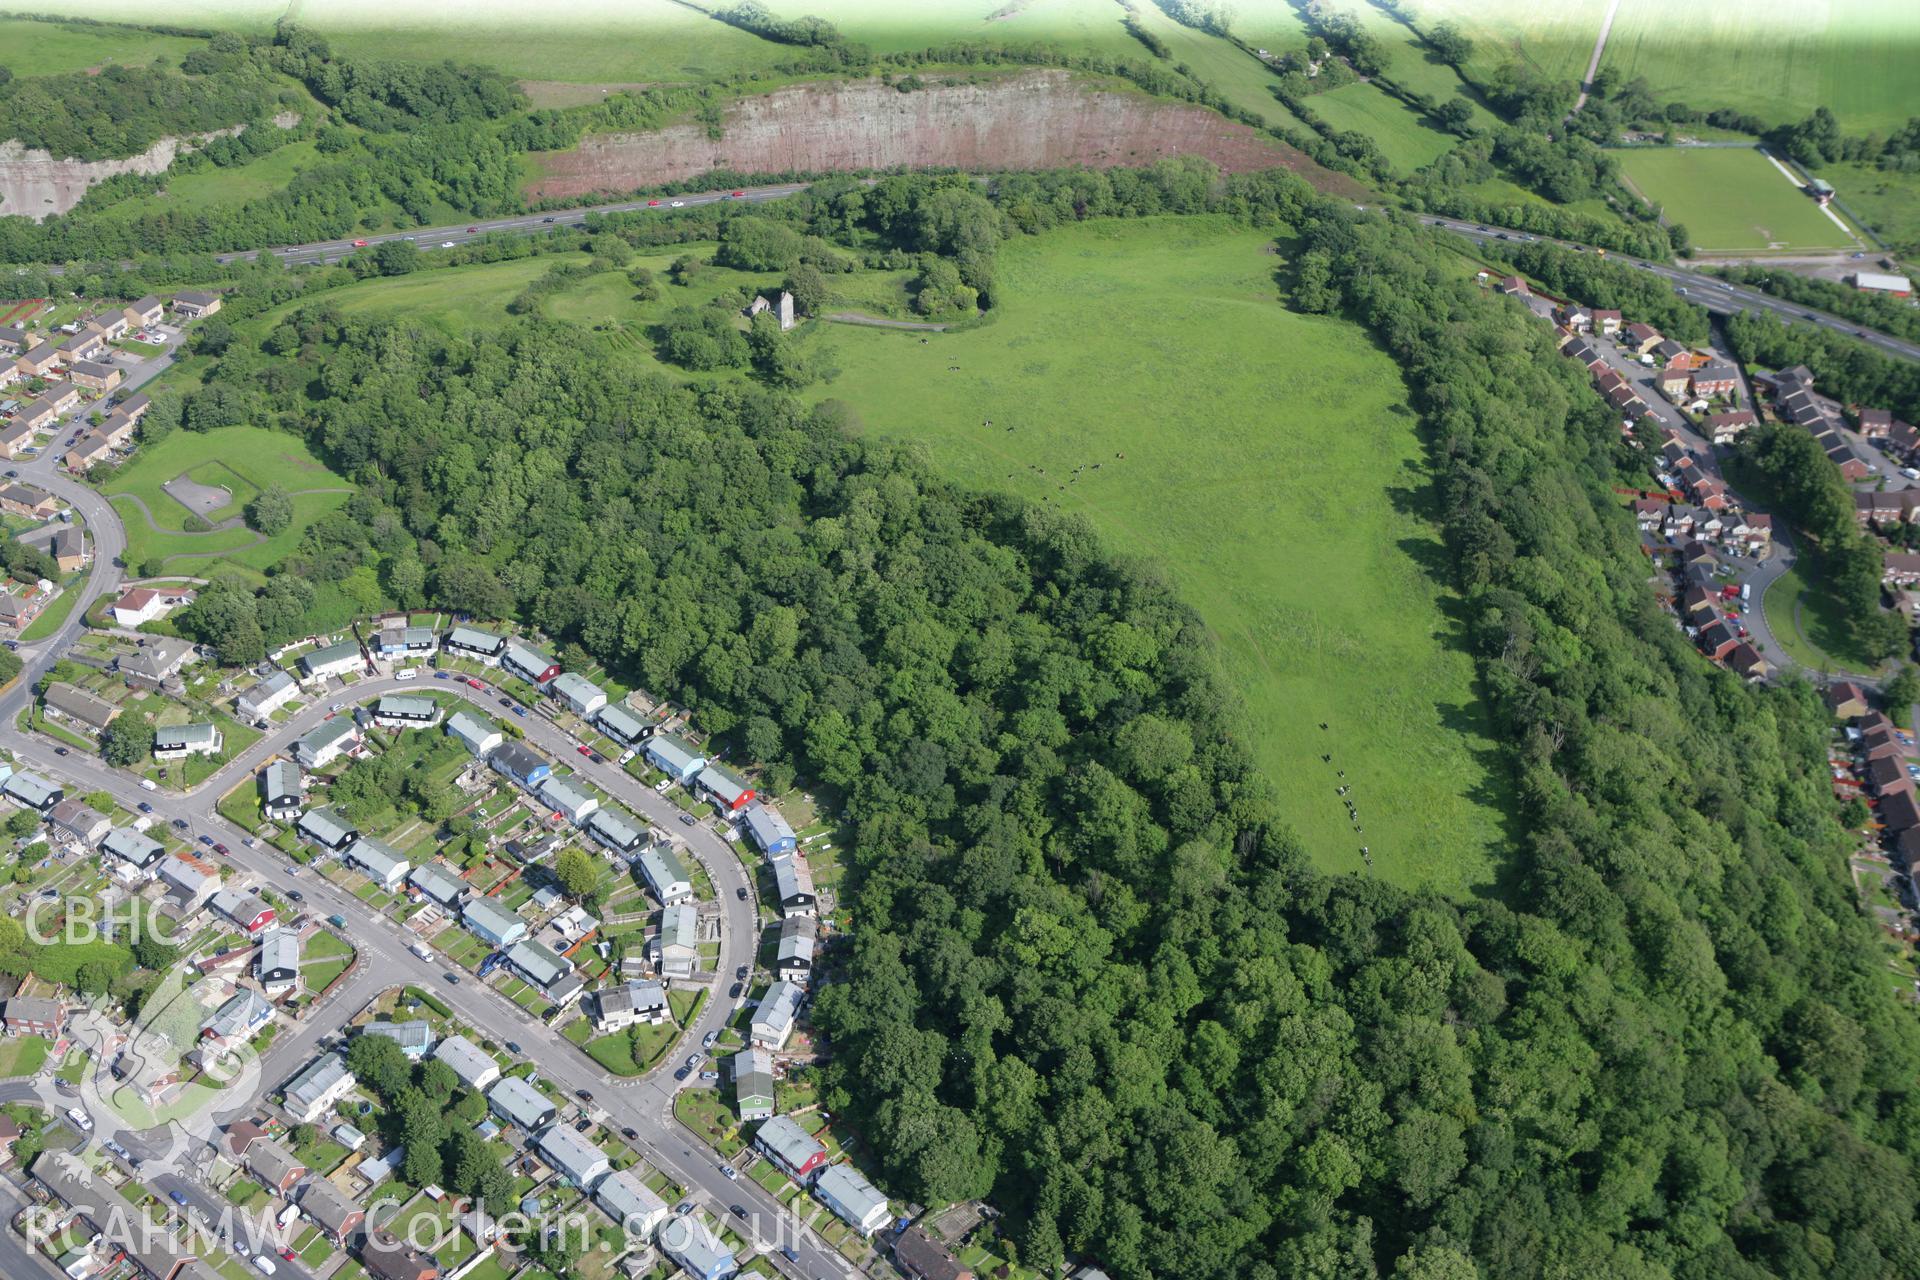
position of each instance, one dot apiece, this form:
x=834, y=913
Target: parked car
x=741, y=972
x=583, y=1125
x=584, y=749
x=686, y=819
x=179, y=824
x=61, y=751
x=693, y=1061
x=513, y=1047
x=474, y=684
x=519, y=710
x=81, y=1120
x=263, y=1264
x=145, y=807
x=222, y=850
x=585, y=1095
x=178, y=1197
x=207, y=841
x=506, y=702
x=739, y=1211
x=338, y=922
x=680, y=1074
x=706, y=1041
x=714, y=1075
x=735, y=993
x=741, y=893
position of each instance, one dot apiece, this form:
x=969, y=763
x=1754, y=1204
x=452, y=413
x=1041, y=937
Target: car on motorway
x=360, y=244
x=178, y=1197
x=1809, y=315
x=446, y=244
x=738, y=194
x=546, y=219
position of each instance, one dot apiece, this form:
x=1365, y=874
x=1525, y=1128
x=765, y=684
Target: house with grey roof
x=474, y=1065
x=382, y=863
x=519, y=1103
x=33, y=791
x=336, y=659
x=852, y=1198
x=326, y=742
x=527, y=662
x=795, y=1150
x=700, y=1253
x=667, y=876
x=133, y=847
x=267, y=697
x=235, y=1021
x=629, y=1202
x=330, y=1209
x=477, y=733
x=572, y=1156
x=492, y=923
x=79, y=823
x=793, y=886
x=76, y=706
x=278, y=964
x=568, y=798
x=274, y=1165
x=753, y=1083
x=327, y=828
x=674, y=756
x=405, y=711
x=319, y=1084
x=538, y=963
x=774, y=1017
x=793, y=960
x=613, y=829
x=189, y=879
x=283, y=790
x=414, y=1037
x=403, y=642
x=677, y=947
x=582, y=696
x=472, y=642
x=620, y=724
x=438, y=883
x=248, y=910
x=769, y=831
x=157, y=664
x=521, y=763
x=179, y=741
x=617, y=1008
x=729, y=791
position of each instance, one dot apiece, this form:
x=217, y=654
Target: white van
x=263, y=1264
x=409, y=673
x=81, y=1119
x=420, y=949
x=148, y=784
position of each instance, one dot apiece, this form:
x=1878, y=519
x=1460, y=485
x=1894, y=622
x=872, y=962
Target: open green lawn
x=1554, y=40
x=1730, y=198
x=1402, y=136
x=54, y=616
x=1268, y=462
x=212, y=188
x=253, y=456
x=22, y=1055
x=1778, y=59
x=1810, y=622
x=1889, y=203
x=29, y=48
x=454, y=300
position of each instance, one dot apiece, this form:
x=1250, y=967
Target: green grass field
x=1730, y=199
x=1271, y=468
x=254, y=455
x=1778, y=59
x=1403, y=138
x=453, y=300
x=1810, y=622
x=29, y=48
x=1889, y=203
x=219, y=188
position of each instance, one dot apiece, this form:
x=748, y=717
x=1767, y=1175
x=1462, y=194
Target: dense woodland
x=1091, y=974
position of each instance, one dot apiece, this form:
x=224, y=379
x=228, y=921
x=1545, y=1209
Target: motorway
x=644, y=1104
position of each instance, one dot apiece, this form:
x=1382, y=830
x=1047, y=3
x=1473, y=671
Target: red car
x=288, y=1254
x=653, y=204
x=584, y=750
x=738, y=194
x=475, y=683
x=360, y=244
x=473, y=231
x=222, y=850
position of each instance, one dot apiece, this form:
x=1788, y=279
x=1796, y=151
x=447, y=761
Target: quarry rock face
x=1033, y=120
x=35, y=185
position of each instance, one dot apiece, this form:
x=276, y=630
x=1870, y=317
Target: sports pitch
x=1731, y=199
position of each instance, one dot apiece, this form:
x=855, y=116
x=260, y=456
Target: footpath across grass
x=1146, y=376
